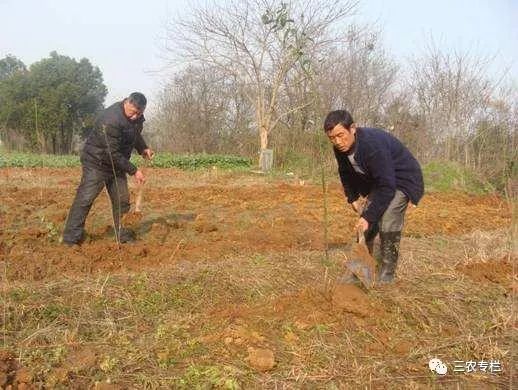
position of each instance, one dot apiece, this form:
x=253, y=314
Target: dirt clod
x=261, y=359
x=23, y=375
x=8, y=367
x=132, y=219
x=82, y=359
x=492, y=271
x=350, y=298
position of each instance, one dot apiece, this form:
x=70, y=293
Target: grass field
x=229, y=286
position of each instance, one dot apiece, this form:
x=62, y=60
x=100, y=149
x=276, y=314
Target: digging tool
x=140, y=191
x=133, y=218
x=138, y=199
x=360, y=262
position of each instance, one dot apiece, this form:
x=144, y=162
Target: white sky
x=122, y=38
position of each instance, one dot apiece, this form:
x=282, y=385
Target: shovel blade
x=362, y=265
x=362, y=271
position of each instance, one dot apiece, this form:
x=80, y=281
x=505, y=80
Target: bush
x=29, y=160
x=161, y=160
x=197, y=161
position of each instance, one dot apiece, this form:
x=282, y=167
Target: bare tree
x=407, y=125
x=357, y=74
x=494, y=145
x=191, y=109
x=470, y=116
x=353, y=72
x=201, y=111
x=452, y=92
x=257, y=43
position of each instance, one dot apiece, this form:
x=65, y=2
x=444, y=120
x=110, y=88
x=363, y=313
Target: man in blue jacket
x=106, y=162
x=374, y=164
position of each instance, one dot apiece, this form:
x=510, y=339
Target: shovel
x=140, y=192
x=133, y=218
x=138, y=199
x=360, y=263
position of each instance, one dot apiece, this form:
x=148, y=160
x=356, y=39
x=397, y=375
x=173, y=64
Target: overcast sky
x=123, y=38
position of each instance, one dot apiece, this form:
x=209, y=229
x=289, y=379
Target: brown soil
x=307, y=307
x=189, y=220
x=492, y=271
x=81, y=359
x=261, y=359
x=8, y=368
x=133, y=218
x=13, y=376
x=197, y=218
x=352, y=299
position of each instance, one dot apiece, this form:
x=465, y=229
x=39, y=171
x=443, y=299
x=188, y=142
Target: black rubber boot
x=370, y=236
x=389, y=256
x=125, y=235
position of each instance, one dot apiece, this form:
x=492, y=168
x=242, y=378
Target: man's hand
x=139, y=177
x=148, y=154
x=411, y=207
x=362, y=225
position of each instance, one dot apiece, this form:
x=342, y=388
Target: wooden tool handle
x=361, y=235
x=359, y=231
x=140, y=190
x=138, y=199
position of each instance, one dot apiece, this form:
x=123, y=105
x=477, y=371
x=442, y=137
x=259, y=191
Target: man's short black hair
x=335, y=117
x=138, y=100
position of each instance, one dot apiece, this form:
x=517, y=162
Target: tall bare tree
x=257, y=43
x=202, y=111
x=452, y=92
x=358, y=75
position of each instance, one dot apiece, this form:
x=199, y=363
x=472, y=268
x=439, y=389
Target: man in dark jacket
x=374, y=164
x=106, y=161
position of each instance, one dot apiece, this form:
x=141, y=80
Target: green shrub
x=197, y=161
x=29, y=160
x=161, y=160
x=441, y=176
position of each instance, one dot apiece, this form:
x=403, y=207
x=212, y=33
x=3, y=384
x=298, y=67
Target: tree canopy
x=10, y=65
x=47, y=105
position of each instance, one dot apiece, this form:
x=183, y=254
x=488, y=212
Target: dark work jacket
x=113, y=134
x=388, y=165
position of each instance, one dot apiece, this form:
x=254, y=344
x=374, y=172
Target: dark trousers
x=389, y=227
x=392, y=219
x=92, y=183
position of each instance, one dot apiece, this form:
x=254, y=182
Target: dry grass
x=190, y=325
